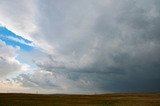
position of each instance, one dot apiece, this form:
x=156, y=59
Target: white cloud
x=20, y=41
x=12, y=87
x=8, y=61
x=18, y=16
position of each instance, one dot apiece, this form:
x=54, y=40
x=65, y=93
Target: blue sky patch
x=12, y=39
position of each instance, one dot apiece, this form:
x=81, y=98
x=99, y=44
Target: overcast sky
x=79, y=46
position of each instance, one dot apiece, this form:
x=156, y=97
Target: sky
x=79, y=46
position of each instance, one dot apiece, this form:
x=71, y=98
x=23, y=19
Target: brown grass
x=80, y=100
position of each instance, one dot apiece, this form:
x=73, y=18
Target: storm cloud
x=92, y=46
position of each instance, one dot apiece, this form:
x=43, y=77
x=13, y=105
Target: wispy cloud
x=20, y=41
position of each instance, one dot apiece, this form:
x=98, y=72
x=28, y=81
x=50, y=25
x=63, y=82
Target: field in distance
x=80, y=100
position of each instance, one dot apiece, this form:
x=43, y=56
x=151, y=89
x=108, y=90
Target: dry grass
x=80, y=100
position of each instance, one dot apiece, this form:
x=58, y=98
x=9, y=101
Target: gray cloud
x=105, y=45
x=65, y=82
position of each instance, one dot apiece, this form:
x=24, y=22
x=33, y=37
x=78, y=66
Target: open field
x=80, y=100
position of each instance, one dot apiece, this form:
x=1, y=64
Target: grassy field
x=80, y=100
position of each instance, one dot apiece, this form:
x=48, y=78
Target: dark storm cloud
x=137, y=56
x=125, y=50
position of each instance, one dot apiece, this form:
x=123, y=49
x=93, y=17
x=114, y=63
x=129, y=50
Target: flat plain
x=136, y=99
